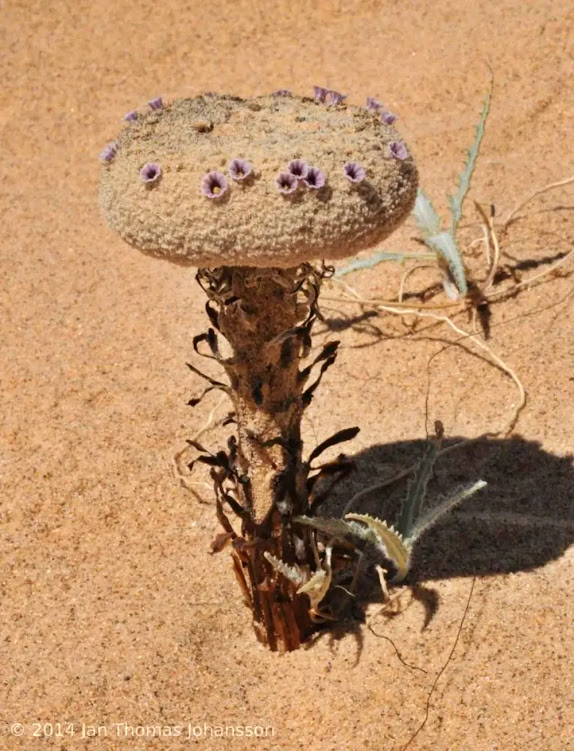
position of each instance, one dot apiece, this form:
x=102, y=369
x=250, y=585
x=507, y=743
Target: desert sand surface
x=116, y=620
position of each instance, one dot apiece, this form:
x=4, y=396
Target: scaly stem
x=265, y=316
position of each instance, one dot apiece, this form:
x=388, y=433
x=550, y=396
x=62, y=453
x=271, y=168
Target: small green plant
x=441, y=242
x=388, y=542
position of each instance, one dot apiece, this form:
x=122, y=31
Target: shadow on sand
x=523, y=519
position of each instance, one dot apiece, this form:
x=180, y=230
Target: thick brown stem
x=266, y=386
x=265, y=315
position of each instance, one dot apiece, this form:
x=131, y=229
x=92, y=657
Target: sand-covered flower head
x=204, y=212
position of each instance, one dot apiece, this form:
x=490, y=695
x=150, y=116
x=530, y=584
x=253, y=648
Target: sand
x=117, y=624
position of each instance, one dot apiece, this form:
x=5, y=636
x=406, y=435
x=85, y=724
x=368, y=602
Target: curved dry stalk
x=177, y=459
x=465, y=335
x=400, y=310
x=354, y=296
x=534, y=278
x=405, y=275
x=495, y=359
x=488, y=226
x=538, y=192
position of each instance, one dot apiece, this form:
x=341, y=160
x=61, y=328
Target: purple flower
x=315, y=178
x=286, y=183
x=282, y=92
x=299, y=168
x=213, y=185
x=398, y=150
x=373, y=105
x=109, y=152
x=150, y=172
x=320, y=93
x=388, y=117
x=354, y=172
x=156, y=104
x=335, y=98
x=239, y=169
x=130, y=117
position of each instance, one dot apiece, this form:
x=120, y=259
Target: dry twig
x=538, y=192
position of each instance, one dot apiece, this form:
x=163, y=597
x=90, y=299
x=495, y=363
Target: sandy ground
x=112, y=610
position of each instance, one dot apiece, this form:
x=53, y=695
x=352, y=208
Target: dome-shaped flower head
x=130, y=117
x=282, y=92
x=150, y=172
x=388, y=117
x=314, y=179
x=354, y=172
x=286, y=183
x=109, y=152
x=335, y=98
x=156, y=104
x=320, y=93
x=213, y=185
x=373, y=105
x=239, y=169
x=299, y=168
x=398, y=150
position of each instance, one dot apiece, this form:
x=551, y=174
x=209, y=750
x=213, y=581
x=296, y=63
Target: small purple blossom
x=286, y=183
x=373, y=105
x=398, y=150
x=335, y=98
x=213, y=185
x=156, y=104
x=150, y=172
x=388, y=117
x=354, y=172
x=299, y=168
x=320, y=93
x=315, y=179
x=239, y=169
x=130, y=117
x=109, y=152
x=282, y=92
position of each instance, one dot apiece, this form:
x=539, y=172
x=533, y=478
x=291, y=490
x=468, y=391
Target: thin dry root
x=538, y=192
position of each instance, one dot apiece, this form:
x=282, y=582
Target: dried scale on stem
x=266, y=316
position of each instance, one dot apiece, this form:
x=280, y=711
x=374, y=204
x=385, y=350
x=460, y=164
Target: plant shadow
x=523, y=519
